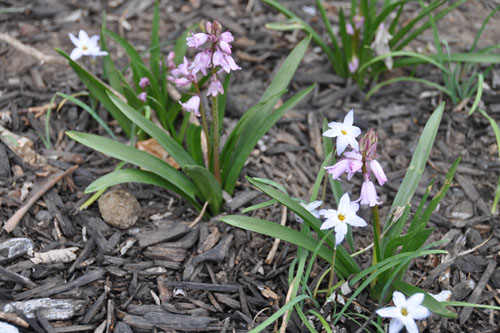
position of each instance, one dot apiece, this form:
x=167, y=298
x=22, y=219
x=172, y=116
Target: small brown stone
x=119, y=208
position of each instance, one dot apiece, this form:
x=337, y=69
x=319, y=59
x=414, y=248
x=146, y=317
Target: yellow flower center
x=85, y=47
x=343, y=132
x=404, y=312
x=341, y=217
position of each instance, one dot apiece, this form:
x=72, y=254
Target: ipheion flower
x=340, y=218
x=345, y=133
x=405, y=312
x=85, y=46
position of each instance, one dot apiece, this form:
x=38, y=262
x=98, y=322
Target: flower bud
x=368, y=144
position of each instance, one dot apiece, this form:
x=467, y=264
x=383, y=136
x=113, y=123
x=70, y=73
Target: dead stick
x=16, y=218
x=272, y=253
x=30, y=50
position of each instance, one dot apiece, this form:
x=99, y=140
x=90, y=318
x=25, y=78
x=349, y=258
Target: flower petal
x=344, y=204
x=389, y=312
x=332, y=132
x=395, y=326
x=420, y=312
x=357, y=221
x=83, y=37
x=76, y=54
x=399, y=299
x=328, y=224
x=414, y=301
x=74, y=40
x=349, y=118
x=355, y=131
x=342, y=143
x=410, y=324
x=353, y=142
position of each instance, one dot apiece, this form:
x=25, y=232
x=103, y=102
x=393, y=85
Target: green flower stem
x=376, y=232
x=332, y=272
x=204, y=124
x=376, y=241
x=215, y=128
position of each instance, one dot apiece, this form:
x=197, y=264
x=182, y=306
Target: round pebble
x=119, y=208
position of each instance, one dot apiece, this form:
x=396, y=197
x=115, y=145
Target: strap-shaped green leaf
x=137, y=157
x=134, y=176
x=251, y=135
x=167, y=142
x=416, y=168
x=346, y=265
x=278, y=231
x=208, y=185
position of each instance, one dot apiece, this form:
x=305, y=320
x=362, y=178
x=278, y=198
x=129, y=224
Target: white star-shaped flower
x=85, y=46
x=405, y=312
x=344, y=132
x=340, y=218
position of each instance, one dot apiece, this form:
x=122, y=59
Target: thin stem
x=215, y=128
x=204, y=124
x=376, y=241
x=332, y=272
x=376, y=232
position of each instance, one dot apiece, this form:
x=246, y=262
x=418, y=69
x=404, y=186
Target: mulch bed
x=167, y=273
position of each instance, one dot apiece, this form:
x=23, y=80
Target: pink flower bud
x=349, y=29
x=144, y=82
x=368, y=144
x=142, y=96
x=353, y=64
x=358, y=21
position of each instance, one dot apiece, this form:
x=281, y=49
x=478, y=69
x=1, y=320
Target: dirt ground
x=161, y=274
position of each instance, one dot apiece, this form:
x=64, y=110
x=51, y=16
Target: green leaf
x=128, y=176
x=251, y=134
x=345, y=264
x=278, y=231
x=109, y=68
x=279, y=313
x=142, y=159
x=409, y=79
x=98, y=89
x=129, y=49
x=90, y=111
x=290, y=24
x=416, y=168
x=193, y=141
x=496, y=130
x=170, y=145
x=429, y=302
x=208, y=185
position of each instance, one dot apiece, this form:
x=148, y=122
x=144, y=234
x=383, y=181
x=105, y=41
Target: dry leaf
x=268, y=293
x=152, y=147
x=22, y=147
x=54, y=256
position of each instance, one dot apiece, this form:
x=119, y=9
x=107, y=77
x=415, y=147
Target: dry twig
x=16, y=218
